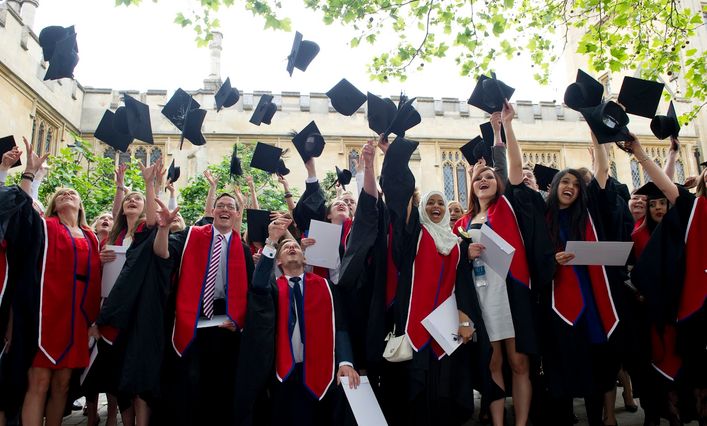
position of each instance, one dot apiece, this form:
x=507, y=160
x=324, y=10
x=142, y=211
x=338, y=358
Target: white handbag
x=398, y=348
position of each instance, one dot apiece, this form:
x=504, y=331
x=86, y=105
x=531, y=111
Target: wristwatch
x=269, y=242
x=465, y=324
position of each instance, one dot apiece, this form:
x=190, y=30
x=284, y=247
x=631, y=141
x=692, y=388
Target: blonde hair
x=455, y=203
x=97, y=218
x=51, y=207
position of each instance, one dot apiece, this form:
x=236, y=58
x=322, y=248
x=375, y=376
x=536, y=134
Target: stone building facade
x=52, y=112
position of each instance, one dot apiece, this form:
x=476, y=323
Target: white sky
x=141, y=48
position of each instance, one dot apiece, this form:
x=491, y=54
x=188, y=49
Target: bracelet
x=641, y=160
x=28, y=176
x=288, y=195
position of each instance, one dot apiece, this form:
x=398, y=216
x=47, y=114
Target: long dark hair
x=577, y=211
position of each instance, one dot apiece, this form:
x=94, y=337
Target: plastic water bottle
x=479, y=273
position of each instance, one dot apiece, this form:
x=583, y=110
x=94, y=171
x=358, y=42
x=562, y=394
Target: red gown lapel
x=694, y=289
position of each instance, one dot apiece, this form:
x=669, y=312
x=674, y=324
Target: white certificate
x=94, y=354
x=111, y=270
x=215, y=321
x=608, y=253
x=497, y=254
x=363, y=403
x=443, y=325
x=325, y=251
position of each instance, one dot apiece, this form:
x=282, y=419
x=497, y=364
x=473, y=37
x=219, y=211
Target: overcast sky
x=141, y=48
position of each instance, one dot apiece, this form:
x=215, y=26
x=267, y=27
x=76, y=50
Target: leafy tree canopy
x=651, y=36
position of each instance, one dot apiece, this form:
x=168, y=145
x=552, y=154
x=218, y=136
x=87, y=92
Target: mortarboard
x=226, y=96
x=109, y=134
x=487, y=133
x=381, y=113
x=264, y=111
x=608, y=122
x=490, y=93
x=258, y=221
x=266, y=157
x=235, y=168
x=650, y=190
x=309, y=142
x=173, y=172
x=50, y=36
x=640, y=97
x=703, y=164
x=64, y=59
x=301, y=54
x=343, y=177
x=192, y=128
x=585, y=92
x=475, y=149
x=346, y=98
x=664, y=126
x=544, y=175
x=6, y=145
x=176, y=108
x=134, y=119
x=406, y=117
x=282, y=169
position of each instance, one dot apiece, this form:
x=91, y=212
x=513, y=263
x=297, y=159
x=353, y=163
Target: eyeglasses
x=231, y=207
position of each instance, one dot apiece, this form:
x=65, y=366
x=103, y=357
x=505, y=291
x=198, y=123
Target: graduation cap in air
x=63, y=60
x=173, y=172
x=258, y=221
x=6, y=145
x=110, y=135
x=544, y=175
x=664, y=126
x=650, y=190
x=585, y=92
x=236, y=169
x=301, y=54
x=134, y=119
x=226, y=96
x=264, y=111
x=385, y=117
x=475, y=149
x=346, y=98
x=490, y=93
x=487, y=133
x=608, y=122
x=640, y=97
x=405, y=118
x=50, y=36
x=266, y=157
x=183, y=111
x=309, y=142
x=343, y=178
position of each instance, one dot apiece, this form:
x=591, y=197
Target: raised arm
x=288, y=195
x=661, y=180
x=34, y=162
x=164, y=219
x=150, y=175
x=369, y=174
x=8, y=160
x=211, y=196
x=172, y=203
x=120, y=188
x=253, y=195
x=515, y=156
x=601, y=163
x=669, y=168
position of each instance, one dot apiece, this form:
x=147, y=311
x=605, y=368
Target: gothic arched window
x=448, y=174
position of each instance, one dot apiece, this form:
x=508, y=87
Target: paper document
x=91, y=360
x=111, y=270
x=497, y=254
x=325, y=252
x=443, y=325
x=363, y=403
x=215, y=321
x=608, y=253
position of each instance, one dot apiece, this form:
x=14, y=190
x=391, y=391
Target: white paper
x=92, y=359
x=443, y=325
x=497, y=254
x=608, y=253
x=363, y=403
x=325, y=251
x=215, y=321
x=111, y=270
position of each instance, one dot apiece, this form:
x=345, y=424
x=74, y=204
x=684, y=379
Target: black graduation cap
x=302, y=53
x=640, y=97
x=475, y=149
x=282, y=169
x=309, y=142
x=258, y=221
x=50, y=36
x=381, y=113
x=544, y=175
x=703, y=164
x=608, y=122
x=490, y=93
x=134, y=119
x=226, y=96
x=650, y=190
x=6, y=145
x=406, y=117
x=664, y=126
x=173, y=172
x=176, y=108
x=64, y=59
x=487, y=133
x=192, y=128
x=266, y=157
x=585, y=92
x=346, y=98
x=109, y=134
x=235, y=168
x=343, y=177
x=264, y=111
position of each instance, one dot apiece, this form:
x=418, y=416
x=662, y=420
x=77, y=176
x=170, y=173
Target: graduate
x=670, y=274
x=310, y=344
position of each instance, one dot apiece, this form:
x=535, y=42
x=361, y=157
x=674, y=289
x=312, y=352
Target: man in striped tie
x=214, y=268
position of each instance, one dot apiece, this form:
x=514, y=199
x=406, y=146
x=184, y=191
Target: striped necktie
x=210, y=288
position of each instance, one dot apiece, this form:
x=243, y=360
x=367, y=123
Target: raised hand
x=164, y=216
x=383, y=143
x=10, y=158
x=213, y=181
x=120, y=175
x=277, y=228
x=507, y=113
x=367, y=154
x=170, y=188
x=34, y=162
x=496, y=121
